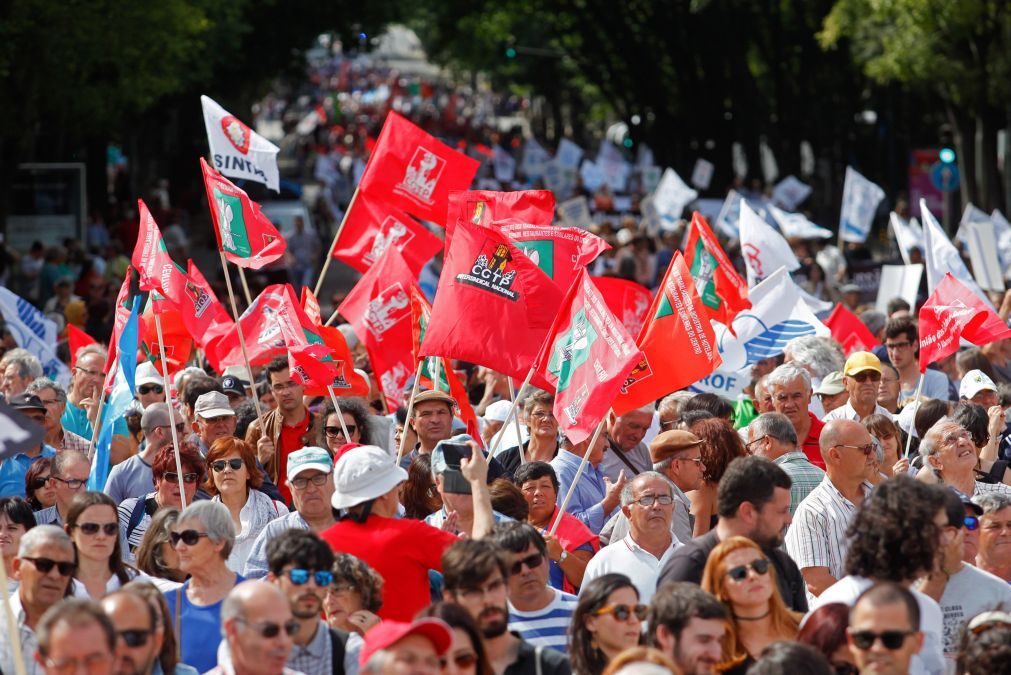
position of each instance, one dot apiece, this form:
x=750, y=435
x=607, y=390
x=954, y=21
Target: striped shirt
x=817, y=536
x=804, y=476
x=984, y=488
x=547, y=627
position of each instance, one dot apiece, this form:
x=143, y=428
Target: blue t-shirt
x=75, y=419
x=200, y=628
x=13, y=470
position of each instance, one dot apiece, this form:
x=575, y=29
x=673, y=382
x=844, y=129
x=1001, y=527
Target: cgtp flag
x=763, y=248
x=371, y=226
x=721, y=289
x=157, y=271
x=560, y=252
x=678, y=342
x=859, y=203
x=627, y=300
x=850, y=332
x=260, y=328
x=586, y=357
x=533, y=207
x=237, y=150
x=954, y=312
x=246, y=236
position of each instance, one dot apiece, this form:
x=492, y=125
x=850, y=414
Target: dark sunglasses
x=151, y=388
x=465, y=660
x=45, y=565
x=234, y=464
x=300, y=577
x=740, y=573
x=867, y=375
x=91, y=529
x=337, y=431
x=172, y=477
x=39, y=482
x=891, y=639
x=971, y=523
x=532, y=561
x=188, y=537
x=269, y=629
x=865, y=449
x=623, y=612
x=135, y=637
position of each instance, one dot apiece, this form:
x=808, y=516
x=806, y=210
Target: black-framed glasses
x=333, y=432
x=151, y=389
x=865, y=449
x=891, y=639
x=72, y=483
x=897, y=345
x=971, y=523
x=45, y=565
x=755, y=442
x=532, y=561
x=300, y=483
x=92, y=373
x=649, y=500
x=172, y=477
x=234, y=464
x=188, y=537
x=623, y=612
x=300, y=576
x=740, y=573
x=270, y=629
x=134, y=637
x=91, y=529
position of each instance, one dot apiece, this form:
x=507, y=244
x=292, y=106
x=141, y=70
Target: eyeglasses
x=45, y=565
x=465, y=660
x=50, y=401
x=234, y=464
x=891, y=639
x=134, y=637
x=542, y=416
x=91, y=529
x=172, y=477
x=971, y=523
x=39, y=482
x=897, y=345
x=72, y=483
x=759, y=566
x=867, y=375
x=284, y=386
x=319, y=480
x=188, y=537
x=532, y=561
x=475, y=594
x=866, y=449
x=151, y=388
x=755, y=442
x=92, y=663
x=668, y=425
x=92, y=373
x=300, y=577
x=342, y=588
x=269, y=629
x=333, y=432
x=649, y=500
x=623, y=612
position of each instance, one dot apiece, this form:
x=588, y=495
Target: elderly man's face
x=42, y=589
x=13, y=384
x=258, y=640
x=54, y=407
x=81, y=646
x=792, y=400
x=628, y=430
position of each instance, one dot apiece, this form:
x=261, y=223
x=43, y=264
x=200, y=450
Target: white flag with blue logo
x=860, y=199
x=34, y=332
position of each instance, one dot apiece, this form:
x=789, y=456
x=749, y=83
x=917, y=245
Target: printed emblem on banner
x=703, y=269
x=576, y=406
x=201, y=299
x=421, y=176
x=339, y=381
x=387, y=309
x=753, y=255
x=391, y=232
x=271, y=333
x=237, y=133
x=638, y=374
x=956, y=308
x=491, y=271
x=393, y=380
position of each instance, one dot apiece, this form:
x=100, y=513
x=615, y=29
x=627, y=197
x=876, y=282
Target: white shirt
x=29, y=643
x=846, y=412
x=612, y=465
x=627, y=557
x=970, y=591
x=254, y=515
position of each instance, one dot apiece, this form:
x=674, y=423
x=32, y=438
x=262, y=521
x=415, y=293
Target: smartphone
x=454, y=452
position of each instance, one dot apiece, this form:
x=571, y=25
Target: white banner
x=671, y=197
x=908, y=235
x=764, y=249
x=702, y=174
x=568, y=154
x=797, y=225
x=535, y=160
x=576, y=212
x=941, y=256
x=983, y=254
x=898, y=281
x=859, y=203
x=790, y=192
x=236, y=150
x=591, y=175
x=33, y=331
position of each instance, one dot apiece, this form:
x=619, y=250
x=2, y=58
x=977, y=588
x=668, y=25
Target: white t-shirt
x=969, y=592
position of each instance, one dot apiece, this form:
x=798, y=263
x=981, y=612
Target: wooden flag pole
x=245, y=286
x=242, y=339
x=172, y=415
x=579, y=474
x=410, y=410
x=333, y=245
x=340, y=415
x=13, y=630
x=519, y=431
x=98, y=417
x=916, y=397
x=512, y=409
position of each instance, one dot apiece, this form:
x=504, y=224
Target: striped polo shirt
x=546, y=627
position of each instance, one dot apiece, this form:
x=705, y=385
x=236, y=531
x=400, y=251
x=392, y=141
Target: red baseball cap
x=388, y=633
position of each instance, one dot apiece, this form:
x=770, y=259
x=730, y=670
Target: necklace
x=752, y=618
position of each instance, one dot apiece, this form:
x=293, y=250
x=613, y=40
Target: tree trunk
x=988, y=177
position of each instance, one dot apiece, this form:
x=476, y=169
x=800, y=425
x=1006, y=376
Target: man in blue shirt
x=13, y=469
x=86, y=382
x=595, y=497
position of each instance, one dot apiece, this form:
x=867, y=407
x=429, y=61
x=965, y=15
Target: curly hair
x=224, y=446
x=366, y=580
x=898, y=538
x=720, y=446
x=356, y=409
x=419, y=496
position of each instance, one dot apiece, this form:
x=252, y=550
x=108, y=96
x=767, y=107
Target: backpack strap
x=135, y=517
x=537, y=659
x=338, y=645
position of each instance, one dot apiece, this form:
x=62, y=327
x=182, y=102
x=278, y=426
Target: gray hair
x=91, y=349
x=40, y=383
x=785, y=374
x=990, y=502
x=874, y=320
x=817, y=355
x=931, y=442
x=672, y=403
x=776, y=425
x=12, y=354
x=27, y=365
x=43, y=534
x=64, y=459
x=627, y=496
x=216, y=519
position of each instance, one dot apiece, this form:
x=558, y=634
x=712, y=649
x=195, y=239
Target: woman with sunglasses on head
x=39, y=489
x=233, y=478
x=203, y=538
x=356, y=419
x=16, y=518
x=135, y=513
x=466, y=655
x=739, y=575
x=94, y=529
x=354, y=596
x=607, y=621
x=155, y=555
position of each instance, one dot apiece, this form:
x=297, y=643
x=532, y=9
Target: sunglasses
x=891, y=639
x=532, y=561
x=866, y=449
x=971, y=523
x=319, y=480
x=866, y=376
x=269, y=629
x=623, y=612
x=45, y=565
x=91, y=529
x=740, y=573
x=465, y=660
x=172, y=477
x=135, y=637
x=39, y=482
x=73, y=483
x=300, y=577
x=188, y=537
x=233, y=464
x=151, y=388
x=337, y=431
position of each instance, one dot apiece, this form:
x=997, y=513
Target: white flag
x=790, y=192
x=591, y=175
x=797, y=225
x=1003, y=229
x=859, y=203
x=576, y=212
x=941, y=256
x=728, y=222
x=504, y=165
x=898, y=281
x=671, y=197
x=33, y=331
x=568, y=154
x=238, y=151
x=702, y=174
x=908, y=235
x=764, y=249
x=535, y=160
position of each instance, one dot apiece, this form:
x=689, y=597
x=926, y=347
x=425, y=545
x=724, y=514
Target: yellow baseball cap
x=858, y=362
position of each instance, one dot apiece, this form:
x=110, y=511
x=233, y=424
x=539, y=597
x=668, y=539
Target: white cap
x=624, y=236
x=365, y=474
x=497, y=411
x=212, y=404
x=974, y=382
x=147, y=373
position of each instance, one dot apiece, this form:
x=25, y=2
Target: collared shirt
x=811, y=446
x=316, y=658
x=628, y=558
x=13, y=470
x=590, y=491
x=256, y=562
x=72, y=441
x=804, y=476
x=817, y=536
x=49, y=516
x=638, y=457
x=984, y=488
x=846, y=412
x=681, y=524
x=29, y=643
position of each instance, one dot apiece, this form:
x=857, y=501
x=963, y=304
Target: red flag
x=379, y=311
x=372, y=225
x=586, y=356
x=124, y=305
x=246, y=236
x=849, y=331
x=722, y=290
x=494, y=306
x=627, y=300
x=77, y=338
x=310, y=305
x=678, y=342
x=560, y=252
x=535, y=207
x=414, y=172
x=156, y=268
x=954, y=312
x=261, y=331
x=177, y=340
x=347, y=381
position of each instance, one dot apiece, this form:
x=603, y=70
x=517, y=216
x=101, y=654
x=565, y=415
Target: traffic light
x=947, y=155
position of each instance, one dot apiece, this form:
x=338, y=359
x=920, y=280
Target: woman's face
x=46, y=495
x=335, y=433
x=540, y=495
x=98, y=545
x=612, y=634
x=202, y=554
x=754, y=589
x=167, y=488
x=462, y=656
x=227, y=478
x=890, y=442
x=341, y=600
x=542, y=423
x=169, y=556
x=10, y=537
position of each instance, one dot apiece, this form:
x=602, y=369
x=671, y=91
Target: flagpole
x=340, y=415
x=242, y=339
x=333, y=245
x=519, y=432
x=98, y=417
x=168, y=398
x=512, y=409
x=579, y=474
x=245, y=286
x=916, y=397
x=410, y=409
x=13, y=629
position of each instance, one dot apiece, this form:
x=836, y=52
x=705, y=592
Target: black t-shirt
x=510, y=459
x=689, y=561
x=552, y=661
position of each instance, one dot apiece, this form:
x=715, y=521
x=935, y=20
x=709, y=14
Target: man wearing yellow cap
x=861, y=377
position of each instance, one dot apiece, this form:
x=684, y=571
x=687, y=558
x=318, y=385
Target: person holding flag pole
x=168, y=398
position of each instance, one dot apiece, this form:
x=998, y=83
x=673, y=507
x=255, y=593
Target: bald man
x=138, y=642
x=257, y=626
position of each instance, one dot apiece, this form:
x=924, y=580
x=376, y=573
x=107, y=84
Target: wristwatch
x=563, y=556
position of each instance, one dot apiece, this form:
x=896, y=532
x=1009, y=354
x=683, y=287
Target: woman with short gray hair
x=203, y=537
